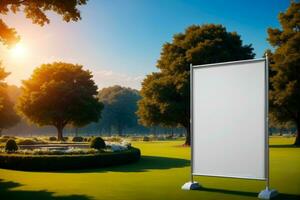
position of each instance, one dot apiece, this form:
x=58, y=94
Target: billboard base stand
x=191, y=186
x=267, y=193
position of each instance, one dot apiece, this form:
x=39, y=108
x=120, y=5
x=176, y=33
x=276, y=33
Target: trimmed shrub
x=9, y=137
x=169, y=137
x=11, y=146
x=28, y=142
x=65, y=138
x=65, y=162
x=146, y=139
x=52, y=138
x=114, y=139
x=77, y=139
x=3, y=139
x=98, y=143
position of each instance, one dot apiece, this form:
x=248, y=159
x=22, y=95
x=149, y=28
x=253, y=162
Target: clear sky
x=120, y=40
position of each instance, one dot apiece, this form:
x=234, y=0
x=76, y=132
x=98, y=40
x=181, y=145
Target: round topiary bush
x=52, y=138
x=11, y=146
x=77, y=139
x=98, y=143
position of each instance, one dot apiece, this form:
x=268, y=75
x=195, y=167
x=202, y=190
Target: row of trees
x=62, y=94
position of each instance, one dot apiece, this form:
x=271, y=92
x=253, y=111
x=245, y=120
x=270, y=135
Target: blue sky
x=120, y=40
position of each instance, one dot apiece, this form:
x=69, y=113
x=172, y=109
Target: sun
x=18, y=51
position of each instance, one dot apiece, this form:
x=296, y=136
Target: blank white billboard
x=229, y=118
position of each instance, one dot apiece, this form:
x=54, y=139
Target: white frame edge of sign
x=266, y=149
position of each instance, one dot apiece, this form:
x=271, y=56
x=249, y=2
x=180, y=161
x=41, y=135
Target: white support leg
x=191, y=186
x=267, y=193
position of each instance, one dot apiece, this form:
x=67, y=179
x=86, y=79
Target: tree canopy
x=285, y=80
x=36, y=11
x=165, y=94
x=8, y=116
x=120, y=105
x=59, y=94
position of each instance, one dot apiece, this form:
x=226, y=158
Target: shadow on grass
x=283, y=146
x=144, y=164
x=8, y=191
x=280, y=196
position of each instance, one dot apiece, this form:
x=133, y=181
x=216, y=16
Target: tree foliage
x=165, y=94
x=36, y=11
x=285, y=80
x=8, y=116
x=59, y=94
x=120, y=105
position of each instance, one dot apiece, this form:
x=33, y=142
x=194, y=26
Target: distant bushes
x=97, y=143
x=52, y=138
x=11, y=145
x=113, y=139
x=8, y=137
x=146, y=139
x=33, y=141
x=78, y=139
x=64, y=162
x=4, y=138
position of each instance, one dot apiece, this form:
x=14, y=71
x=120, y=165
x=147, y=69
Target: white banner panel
x=228, y=119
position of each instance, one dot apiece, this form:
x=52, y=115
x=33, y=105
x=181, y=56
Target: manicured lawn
x=160, y=173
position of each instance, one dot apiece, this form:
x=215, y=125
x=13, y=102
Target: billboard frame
x=192, y=185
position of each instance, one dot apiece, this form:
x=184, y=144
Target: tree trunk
x=297, y=141
x=187, y=135
x=120, y=129
x=109, y=131
x=76, y=131
x=60, y=133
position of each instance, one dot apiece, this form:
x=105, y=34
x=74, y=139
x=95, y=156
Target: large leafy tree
x=285, y=80
x=59, y=94
x=36, y=11
x=165, y=94
x=120, y=105
x=8, y=116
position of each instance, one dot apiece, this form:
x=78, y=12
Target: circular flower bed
x=38, y=160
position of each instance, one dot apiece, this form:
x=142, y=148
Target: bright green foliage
x=285, y=80
x=8, y=116
x=120, y=105
x=36, y=11
x=59, y=94
x=165, y=94
x=11, y=146
x=97, y=143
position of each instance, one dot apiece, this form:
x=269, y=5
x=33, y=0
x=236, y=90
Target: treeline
x=118, y=117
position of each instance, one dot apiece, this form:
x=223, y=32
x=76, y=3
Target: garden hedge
x=67, y=162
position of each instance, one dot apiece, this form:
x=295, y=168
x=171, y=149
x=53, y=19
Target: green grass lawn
x=160, y=173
